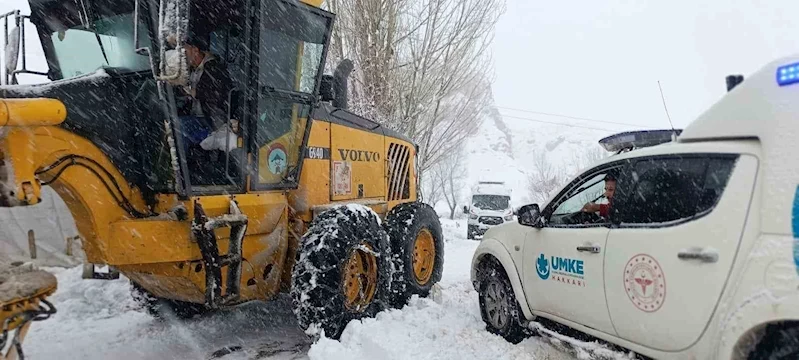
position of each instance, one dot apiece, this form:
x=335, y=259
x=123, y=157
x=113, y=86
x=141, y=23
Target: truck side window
x=671, y=189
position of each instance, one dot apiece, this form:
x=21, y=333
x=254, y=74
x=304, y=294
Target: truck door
x=563, y=261
x=666, y=265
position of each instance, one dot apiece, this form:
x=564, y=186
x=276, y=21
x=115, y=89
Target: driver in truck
x=206, y=95
x=603, y=209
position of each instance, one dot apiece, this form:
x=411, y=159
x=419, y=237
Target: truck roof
x=764, y=107
x=491, y=188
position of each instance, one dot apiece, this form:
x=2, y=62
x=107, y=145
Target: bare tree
x=431, y=191
x=449, y=174
x=544, y=180
x=421, y=66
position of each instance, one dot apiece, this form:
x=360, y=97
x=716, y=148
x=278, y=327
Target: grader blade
x=203, y=229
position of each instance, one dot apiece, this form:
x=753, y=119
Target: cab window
x=669, y=190
x=567, y=209
x=591, y=190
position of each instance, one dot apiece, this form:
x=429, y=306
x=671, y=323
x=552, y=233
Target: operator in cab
x=206, y=97
x=606, y=199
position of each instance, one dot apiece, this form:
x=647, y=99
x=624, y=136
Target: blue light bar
x=788, y=74
x=637, y=139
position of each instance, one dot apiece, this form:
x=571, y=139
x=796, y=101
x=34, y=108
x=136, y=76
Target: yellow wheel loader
x=306, y=198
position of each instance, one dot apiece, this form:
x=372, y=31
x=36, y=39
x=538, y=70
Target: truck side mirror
x=529, y=215
x=465, y=209
x=326, y=88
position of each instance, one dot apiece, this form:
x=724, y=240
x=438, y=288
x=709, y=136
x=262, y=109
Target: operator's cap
x=197, y=39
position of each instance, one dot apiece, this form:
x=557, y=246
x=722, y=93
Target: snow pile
x=447, y=325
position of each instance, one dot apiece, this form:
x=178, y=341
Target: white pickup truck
x=696, y=257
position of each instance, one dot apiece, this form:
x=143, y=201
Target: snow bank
x=447, y=325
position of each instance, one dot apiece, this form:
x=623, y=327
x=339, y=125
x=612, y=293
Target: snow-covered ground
x=98, y=319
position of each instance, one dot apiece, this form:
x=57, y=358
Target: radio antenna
x=666, y=108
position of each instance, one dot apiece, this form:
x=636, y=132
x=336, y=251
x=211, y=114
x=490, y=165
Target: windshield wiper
x=102, y=49
x=90, y=26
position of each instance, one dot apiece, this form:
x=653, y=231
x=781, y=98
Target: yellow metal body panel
x=92, y=205
x=143, y=251
x=358, y=164
x=31, y=112
x=314, y=187
x=317, y=3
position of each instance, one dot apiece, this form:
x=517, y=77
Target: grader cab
x=306, y=197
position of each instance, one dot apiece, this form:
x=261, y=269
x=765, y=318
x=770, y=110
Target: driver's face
x=610, y=189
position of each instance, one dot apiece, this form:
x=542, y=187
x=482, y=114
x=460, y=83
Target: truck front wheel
x=342, y=271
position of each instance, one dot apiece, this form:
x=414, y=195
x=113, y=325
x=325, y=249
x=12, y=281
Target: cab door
x=668, y=260
x=563, y=273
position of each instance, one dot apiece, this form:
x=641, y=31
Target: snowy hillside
x=506, y=148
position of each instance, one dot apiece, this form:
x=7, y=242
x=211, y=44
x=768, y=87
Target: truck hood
x=499, y=213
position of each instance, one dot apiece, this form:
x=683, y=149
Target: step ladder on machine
x=203, y=230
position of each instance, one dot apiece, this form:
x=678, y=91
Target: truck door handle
x=703, y=255
x=591, y=249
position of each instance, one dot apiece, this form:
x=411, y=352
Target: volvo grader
x=310, y=199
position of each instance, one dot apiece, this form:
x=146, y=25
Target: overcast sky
x=602, y=59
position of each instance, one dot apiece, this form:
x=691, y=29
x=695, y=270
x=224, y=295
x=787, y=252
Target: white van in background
x=489, y=206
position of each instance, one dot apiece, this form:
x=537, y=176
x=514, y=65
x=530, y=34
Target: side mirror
x=326, y=88
x=529, y=215
x=12, y=50
x=465, y=209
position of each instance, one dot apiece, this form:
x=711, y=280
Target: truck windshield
x=292, y=45
x=81, y=46
x=491, y=202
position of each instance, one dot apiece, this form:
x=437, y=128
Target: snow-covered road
x=98, y=319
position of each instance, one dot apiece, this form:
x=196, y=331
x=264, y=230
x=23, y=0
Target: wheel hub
x=359, y=278
x=424, y=256
x=497, y=309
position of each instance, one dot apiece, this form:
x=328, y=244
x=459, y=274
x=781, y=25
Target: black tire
x=318, y=286
x=499, y=307
x=405, y=224
x=781, y=342
x=161, y=308
x=470, y=232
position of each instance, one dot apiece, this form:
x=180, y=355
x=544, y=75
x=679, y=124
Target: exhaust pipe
x=733, y=81
x=340, y=88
